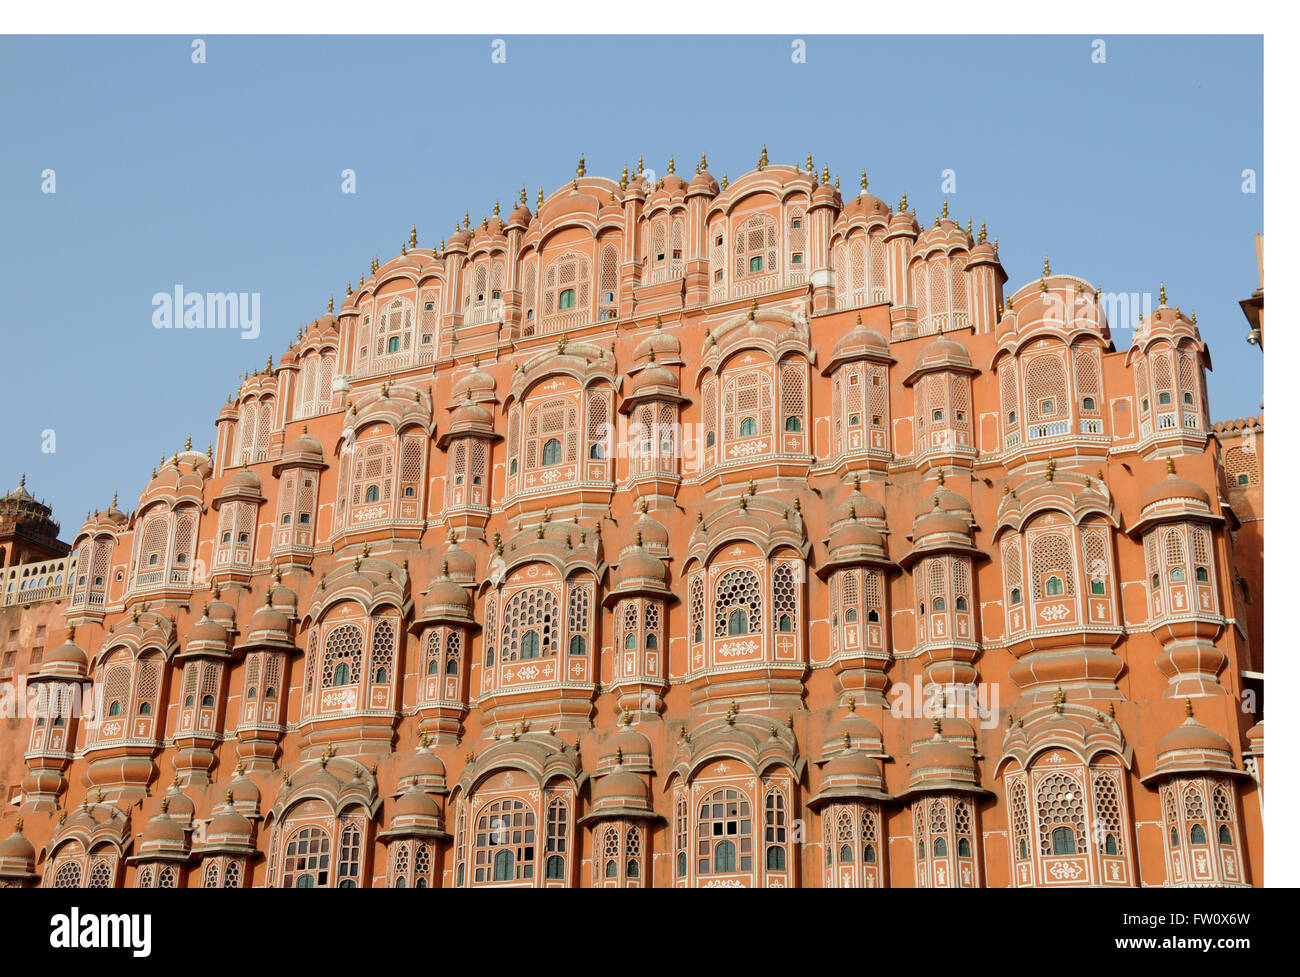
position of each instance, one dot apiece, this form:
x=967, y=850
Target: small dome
x=1173, y=487
x=654, y=377
x=17, y=847
x=243, y=792
x=851, y=764
x=855, y=533
x=422, y=764
x=640, y=565
x=460, y=562
x=943, y=352
x=268, y=618
x=860, y=341
x=447, y=595
x=938, y=524
x=858, y=506
x=228, y=826
x=163, y=831
x=628, y=743
x=244, y=481
x=305, y=445
x=416, y=804
x=938, y=756
x=662, y=344
x=68, y=655
x=650, y=530
x=208, y=631
x=620, y=787
x=1192, y=737
x=475, y=382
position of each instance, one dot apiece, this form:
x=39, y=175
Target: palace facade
x=675, y=532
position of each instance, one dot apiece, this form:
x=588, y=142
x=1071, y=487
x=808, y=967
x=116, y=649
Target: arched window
x=577, y=645
x=748, y=427
x=1016, y=596
x=793, y=424
x=1225, y=835
x=1063, y=841
x=776, y=858
x=1197, y=834
x=555, y=867
x=306, y=859
x=552, y=452
x=372, y=493
x=725, y=820
x=940, y=847
x=737, y=590
x=963, y=847
x=340, y=674
x=1055, y=587
x=567, y=298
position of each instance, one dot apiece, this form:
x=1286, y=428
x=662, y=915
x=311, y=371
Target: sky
x=226, y=175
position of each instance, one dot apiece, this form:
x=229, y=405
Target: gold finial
x=672, y=164
x=753, y=309
x=945, y=208
x=863, y=181
x=704, y=162
x=582, y=165
x=18, y=824
x=640, y=165
x=724, y=180
x=496, y=208
x=762, y=159
x=1051, y=469
x=622, y=181
x=1162, y=293
x=1169, y=466
x=940, y=477
x=938, y=726
x=1188, y=702
x=826, y=174
x=349, y=291
x=1047, y=266
x=983, y=233
x=902, y=204
x=541, y=197
x=808, y=164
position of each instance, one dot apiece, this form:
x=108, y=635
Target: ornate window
x=530, y=625
x=737, y=604
x=504, y=842
x=725, y=834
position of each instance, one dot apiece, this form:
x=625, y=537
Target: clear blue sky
x=225, y=176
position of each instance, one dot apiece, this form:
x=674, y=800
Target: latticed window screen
x=1059, y=802
x=755, y=247
x=785, y=610
x=1096, y=563
x=533, y=610
x=748, y=396
x=1020, y=820
x=1045, y=389
x=1087, y=379
x=608, y=297
x=697, y=606
x=342, y=647
x=382, y=645
x=430, y=303
x=147, y=675
x=1007, y=385
x=1051, y=554
x=412, y=468
x=1107, y=812
x=580, y=595
x=737, y=588
x=568, y=271
x=792, y=393
x=1237, y=462
x=1188, y=381
x=453, y=652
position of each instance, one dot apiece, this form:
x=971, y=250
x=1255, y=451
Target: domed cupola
x=447, y=602
x=164, y=838
x=938, y=764
x=17, y=857
x=67, y=662
x=1192, y=748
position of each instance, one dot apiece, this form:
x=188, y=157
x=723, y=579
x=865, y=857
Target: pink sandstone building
x=673, y=532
